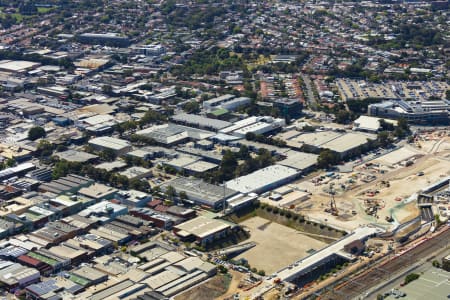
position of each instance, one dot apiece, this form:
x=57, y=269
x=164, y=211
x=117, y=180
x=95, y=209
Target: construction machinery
x=333, y=208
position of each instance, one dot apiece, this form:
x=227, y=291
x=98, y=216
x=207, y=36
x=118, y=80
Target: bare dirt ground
x=234, y=285
x=278, y=245
x=431, y=157
x=211, y=289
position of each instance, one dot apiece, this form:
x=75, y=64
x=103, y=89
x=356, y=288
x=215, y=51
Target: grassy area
x=18, y=16
x=44, y=10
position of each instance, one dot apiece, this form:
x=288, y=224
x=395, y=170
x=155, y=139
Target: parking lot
x=432, y=284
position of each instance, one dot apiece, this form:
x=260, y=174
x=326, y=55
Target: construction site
x=381, y=191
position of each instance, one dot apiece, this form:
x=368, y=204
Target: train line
x=354, y=287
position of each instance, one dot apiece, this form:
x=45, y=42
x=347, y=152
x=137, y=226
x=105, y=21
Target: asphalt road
x=309, y=92
x=379, y=273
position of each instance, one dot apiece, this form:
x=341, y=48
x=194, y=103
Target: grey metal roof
x=201, y=121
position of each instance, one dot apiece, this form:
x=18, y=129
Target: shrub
x=411, y=277
x=276, y=210
x=436, y=264
x=222, y=269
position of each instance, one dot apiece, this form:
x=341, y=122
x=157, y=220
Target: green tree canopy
x=36, y=132
x=327, y=158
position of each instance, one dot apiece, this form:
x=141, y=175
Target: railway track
x=379, y=273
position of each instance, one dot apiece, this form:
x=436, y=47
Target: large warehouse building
x=200, y=192
x=263, y=180
x=118, y=146
x=346, y=144
x=202, y=229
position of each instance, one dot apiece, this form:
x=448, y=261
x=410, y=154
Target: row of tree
x=235, y=164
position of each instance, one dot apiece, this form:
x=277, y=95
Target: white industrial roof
x=348, y=141
x=370, y=123
x=110, y=142
x=265, y=177
x=17, y=65
x=203, y=226
x=299, y=160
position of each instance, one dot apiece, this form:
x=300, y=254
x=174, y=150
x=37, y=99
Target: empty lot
x=277, y=245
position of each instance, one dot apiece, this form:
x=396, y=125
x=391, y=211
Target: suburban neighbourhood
x=224, y=149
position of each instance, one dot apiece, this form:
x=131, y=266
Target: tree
x=156, y=190
x=403, y=124
x=250, y=136
x=183, y=195
x=343, y=116
x=192, y=107
x=228, y=165
x=244, y=152
x=45, y=148
x=10, y=162
x=308, y=128
x=436, y=264
x=327, y=158
x=36, y=132
x=383, y=138
x=171, y=192
x=386, y=126
x=60, y=169
x=222, y=269
x=411, y=277
x=107, y=89
x=108, y=155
